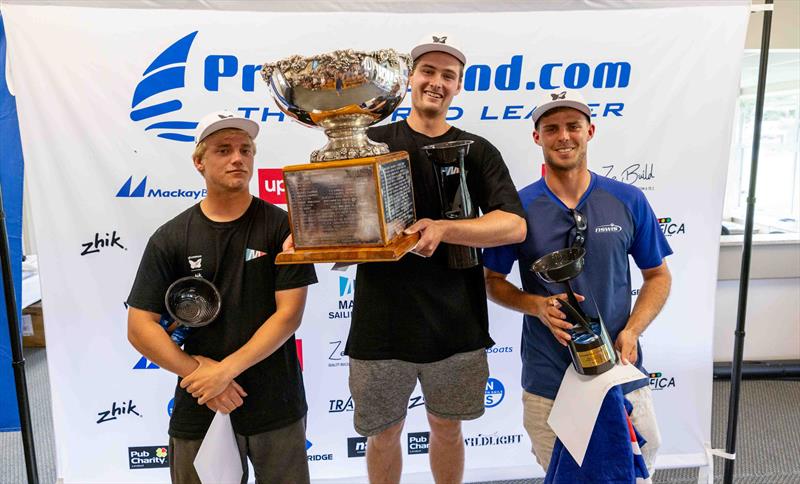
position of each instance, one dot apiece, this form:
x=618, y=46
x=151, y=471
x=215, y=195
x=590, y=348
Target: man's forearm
x=150, y=339
x=269, y=337
x=490, y=230
x=652, y=296
x=502, y=292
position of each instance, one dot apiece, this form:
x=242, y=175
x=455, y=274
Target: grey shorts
x=453, y=388
x=278, y=456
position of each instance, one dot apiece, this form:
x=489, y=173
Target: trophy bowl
x=193, y=301
x=343, y=92
x=561, y=265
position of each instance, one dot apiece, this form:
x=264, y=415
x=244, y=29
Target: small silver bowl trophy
x=192, y=302
x=590, y=348
x=352, y=203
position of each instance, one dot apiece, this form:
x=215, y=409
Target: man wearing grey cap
x=245, y=361
x=611, y=220
x=417, y=319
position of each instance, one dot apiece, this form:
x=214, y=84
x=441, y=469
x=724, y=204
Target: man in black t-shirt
x=417, y=318
x=245, y=362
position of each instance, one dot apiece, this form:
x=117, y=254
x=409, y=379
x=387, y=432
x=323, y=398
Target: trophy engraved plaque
x=590, y=347
x=352, y=203
x=451, y=180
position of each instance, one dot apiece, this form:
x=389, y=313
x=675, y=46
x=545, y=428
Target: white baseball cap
x=438, y=43
x=211, y=123
x=557, y=99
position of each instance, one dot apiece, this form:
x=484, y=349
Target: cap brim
x=560, y=103
x=423, y=49
x=247, y=125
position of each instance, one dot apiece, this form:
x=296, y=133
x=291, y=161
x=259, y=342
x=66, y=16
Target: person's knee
x=388, y=438
x=444, y=430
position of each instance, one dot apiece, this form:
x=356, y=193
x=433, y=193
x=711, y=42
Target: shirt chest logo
x=195, y=263
x=607, y=228
x=251, y=254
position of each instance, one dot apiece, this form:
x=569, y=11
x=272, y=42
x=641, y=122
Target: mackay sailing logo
x=141, y=191
x=345, y=301
x=159, y=81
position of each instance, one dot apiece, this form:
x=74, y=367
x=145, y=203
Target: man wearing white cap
x=612, y=220
x=417, y=319
x=245, y=361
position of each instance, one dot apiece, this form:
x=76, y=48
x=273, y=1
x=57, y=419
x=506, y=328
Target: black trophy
x=193, y=301
x=590, y=346
x=451, y=179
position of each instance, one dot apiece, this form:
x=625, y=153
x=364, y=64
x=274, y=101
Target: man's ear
x=536, y=138
x=198, y=164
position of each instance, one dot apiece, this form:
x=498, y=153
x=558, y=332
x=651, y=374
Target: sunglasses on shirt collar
x=580, y=228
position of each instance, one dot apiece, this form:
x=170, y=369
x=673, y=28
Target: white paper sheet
x=578, y=403
x=218, y=460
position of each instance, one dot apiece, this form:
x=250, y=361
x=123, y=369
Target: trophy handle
x=573, y=310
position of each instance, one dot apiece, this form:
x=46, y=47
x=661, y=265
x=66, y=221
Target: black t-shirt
x=417, y=309
x=239, y=258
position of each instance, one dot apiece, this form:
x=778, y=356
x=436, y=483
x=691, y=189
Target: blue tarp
x=11, y=172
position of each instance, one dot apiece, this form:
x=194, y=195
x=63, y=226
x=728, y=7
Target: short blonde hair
x=200, y=149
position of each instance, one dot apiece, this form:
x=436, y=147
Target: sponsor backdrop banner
x=108, y=100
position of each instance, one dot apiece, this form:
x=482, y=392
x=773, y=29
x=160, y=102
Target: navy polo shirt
x=620, y=222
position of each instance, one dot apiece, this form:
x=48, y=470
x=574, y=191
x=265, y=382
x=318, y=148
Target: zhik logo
x=94, y=246
x=166, y=73
x=125, y=408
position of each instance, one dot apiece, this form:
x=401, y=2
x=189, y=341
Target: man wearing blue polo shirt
x=620, y=223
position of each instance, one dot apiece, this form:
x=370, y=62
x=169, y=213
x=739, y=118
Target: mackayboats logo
x=141, y=191
x=482, y=440
x=344, y=305
x=499, y=350
x=160, y=86
x=270, y=186
x=660, y=381
x=671, y=227
x=494, y=394
x=418, y=442
x=151, y=457
x=145, y=364
x=316, y=457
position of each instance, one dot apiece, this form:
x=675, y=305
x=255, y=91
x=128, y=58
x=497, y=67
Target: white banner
x=106, y=95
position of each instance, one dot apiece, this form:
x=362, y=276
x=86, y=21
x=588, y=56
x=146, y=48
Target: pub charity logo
x=148, y=457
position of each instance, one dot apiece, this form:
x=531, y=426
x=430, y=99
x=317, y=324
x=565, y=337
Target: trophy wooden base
x=396, y=249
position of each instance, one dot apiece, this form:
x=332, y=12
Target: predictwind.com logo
x=166, y=73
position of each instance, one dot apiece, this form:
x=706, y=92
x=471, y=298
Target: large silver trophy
x=356, y=198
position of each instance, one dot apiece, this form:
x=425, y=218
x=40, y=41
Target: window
x=777, y=207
